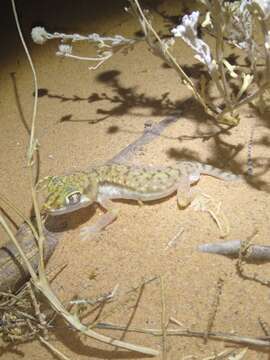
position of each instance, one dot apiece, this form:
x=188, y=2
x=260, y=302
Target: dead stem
x=53, y=349
x=38, y=313
x=163, y=319
x=265, y=326
x=20, y=214
x=33, y=142
x=16, y=243
x=225, y=355
x=245, y=248
x=217, y=23
x=175, y=238
x=261, y=342
x=214, y=308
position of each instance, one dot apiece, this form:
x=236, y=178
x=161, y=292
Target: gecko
x=102, y=184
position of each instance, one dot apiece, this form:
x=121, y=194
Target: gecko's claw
x=88, y=232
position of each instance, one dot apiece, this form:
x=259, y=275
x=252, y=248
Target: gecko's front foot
x=88, y=232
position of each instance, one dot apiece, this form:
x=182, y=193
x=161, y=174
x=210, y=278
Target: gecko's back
x=151, y=183
x=136, y=182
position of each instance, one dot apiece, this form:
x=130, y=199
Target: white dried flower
x=64, y=49
x=238, y=27
x=267, y=41
x=39, y=35
x=207, y=21
x=188, y=32
x=108, y=41
x=188, y=28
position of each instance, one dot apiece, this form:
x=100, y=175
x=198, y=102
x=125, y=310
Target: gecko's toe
x=88, y=232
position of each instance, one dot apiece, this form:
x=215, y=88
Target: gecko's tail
x=219, y=173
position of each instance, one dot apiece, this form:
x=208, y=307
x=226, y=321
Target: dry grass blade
x=214, y=308
x=13, y=270
x=53, y=349
x=261, y=342
x=163, y=320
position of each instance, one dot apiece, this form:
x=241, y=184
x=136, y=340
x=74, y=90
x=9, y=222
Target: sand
x=87, y=117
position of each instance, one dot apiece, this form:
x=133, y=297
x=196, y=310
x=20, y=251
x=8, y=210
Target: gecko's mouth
x=84, y=202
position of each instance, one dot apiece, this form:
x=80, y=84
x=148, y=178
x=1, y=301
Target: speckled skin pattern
x=117, y=181
x=66, y=193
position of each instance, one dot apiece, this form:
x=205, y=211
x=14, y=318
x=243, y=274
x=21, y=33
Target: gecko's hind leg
x=185, y=194
x=104, y=220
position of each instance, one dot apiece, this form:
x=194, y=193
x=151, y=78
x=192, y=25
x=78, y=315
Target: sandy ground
x=86, y=117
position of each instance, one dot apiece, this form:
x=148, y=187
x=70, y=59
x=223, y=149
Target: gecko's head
x=66, y=193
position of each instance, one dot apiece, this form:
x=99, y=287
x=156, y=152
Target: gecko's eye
x=73, y=199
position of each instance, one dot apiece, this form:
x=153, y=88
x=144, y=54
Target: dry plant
x=39, y=280
x=105, y=46
x=245, y=251
x=232, y=25
x=21, y=317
